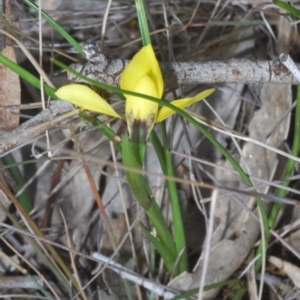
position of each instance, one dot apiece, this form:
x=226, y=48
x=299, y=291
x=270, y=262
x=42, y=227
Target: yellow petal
x=166, y=112
x=141, y=110
x=143, y=63
x=85, y=98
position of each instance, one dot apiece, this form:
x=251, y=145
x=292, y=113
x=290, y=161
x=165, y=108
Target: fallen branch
x=108, y=71
x=46, y=119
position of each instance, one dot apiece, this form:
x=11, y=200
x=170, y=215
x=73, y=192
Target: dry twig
x=108, y=71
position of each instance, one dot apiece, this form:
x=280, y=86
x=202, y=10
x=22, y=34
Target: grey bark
x=108, y=71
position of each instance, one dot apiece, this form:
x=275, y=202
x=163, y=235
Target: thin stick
x=207, y=242
x=290, y=64
x=41, y=78
x=72, y=257
x=104, y=23
x=134, y=277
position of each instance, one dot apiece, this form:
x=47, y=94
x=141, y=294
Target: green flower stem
x=179, y=235
x=62, y=32
x=24, y=197
x=143, y=22
x=139, y=187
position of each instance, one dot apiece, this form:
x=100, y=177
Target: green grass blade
x=63, y=33
x=167, y=257
x=240, y=293
x=179, y=234
x=41, y=288
x=289, y=169
x=295, y=12
x=140, y=9
x=24, y=197
x=26, y=75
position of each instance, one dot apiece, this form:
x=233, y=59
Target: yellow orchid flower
x=142, y=75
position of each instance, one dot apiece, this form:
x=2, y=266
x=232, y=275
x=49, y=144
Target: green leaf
x=27, y=75
x=136, y=181
x=24, y=197
x=140, y=9
x=167, y=257
x=295, y=12
x=179, y=234
x=139, y=187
